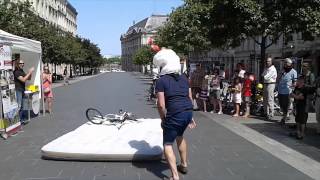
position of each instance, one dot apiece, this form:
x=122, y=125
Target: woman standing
x=215, y=91
x=47, y=88
x=237, y=96
x=174, y=107
x=204, y=95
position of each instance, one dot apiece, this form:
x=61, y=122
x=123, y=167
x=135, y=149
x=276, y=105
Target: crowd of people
x=179, y=93
x=296, y=94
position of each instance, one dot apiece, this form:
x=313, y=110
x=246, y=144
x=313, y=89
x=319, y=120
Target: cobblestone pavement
x=220, y=147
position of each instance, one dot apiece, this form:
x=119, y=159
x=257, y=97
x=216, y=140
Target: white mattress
x=133, y=142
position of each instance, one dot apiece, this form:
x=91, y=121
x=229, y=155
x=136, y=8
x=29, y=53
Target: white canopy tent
x=30, y=51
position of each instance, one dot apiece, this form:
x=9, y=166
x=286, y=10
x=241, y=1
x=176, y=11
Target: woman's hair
x=241, y=65
x=46, y=67
x=236, y=80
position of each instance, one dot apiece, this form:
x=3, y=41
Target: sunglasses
x=21, y=63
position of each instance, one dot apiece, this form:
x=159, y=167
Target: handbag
x=46, y=90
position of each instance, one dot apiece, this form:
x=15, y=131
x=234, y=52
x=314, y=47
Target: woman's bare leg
x=204, y=105
x=220, y=106
x=214, y=104
x=171, y=159
x=182, y=146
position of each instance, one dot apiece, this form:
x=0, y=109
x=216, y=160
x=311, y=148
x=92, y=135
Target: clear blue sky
x=103, y=21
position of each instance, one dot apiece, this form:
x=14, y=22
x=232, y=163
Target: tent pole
x=42, y=94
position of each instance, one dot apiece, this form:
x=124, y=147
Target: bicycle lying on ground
x=95, y=117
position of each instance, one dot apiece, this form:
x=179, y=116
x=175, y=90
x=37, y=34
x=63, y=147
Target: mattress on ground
x=134, y=141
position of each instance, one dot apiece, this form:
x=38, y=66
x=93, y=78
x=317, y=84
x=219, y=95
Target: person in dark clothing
x=174, y=107
x=300, y=98
x=20, y=78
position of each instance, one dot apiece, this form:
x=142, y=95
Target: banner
x=5, y=57
x=9, y=116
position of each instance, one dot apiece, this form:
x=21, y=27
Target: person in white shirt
x=240, y=68
x=269, y=80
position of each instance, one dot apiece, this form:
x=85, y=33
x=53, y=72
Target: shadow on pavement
x=156, y=167
x=309, y=146
x=263, y=119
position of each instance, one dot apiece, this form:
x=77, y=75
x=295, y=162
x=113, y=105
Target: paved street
x=221, y=148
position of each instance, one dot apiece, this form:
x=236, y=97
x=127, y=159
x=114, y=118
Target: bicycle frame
x=95, y=117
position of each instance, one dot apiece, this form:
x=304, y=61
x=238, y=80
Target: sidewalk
x=224, y=147
x=304, y=155
x=74, y=80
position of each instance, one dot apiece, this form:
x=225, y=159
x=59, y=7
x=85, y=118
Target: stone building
x=59, y=13
x=136, y=37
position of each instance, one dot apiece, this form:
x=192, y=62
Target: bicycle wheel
x=94, y=116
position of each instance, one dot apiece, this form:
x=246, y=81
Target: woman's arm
x=237, y=88
x=190, y=95
x=49, y=78
x=161, y=105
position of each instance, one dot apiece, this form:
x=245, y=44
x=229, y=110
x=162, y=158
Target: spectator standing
x=20, y=79
x=183, y=63
x=299, y=94
x=65, y=76
x=247, y=93
x=308, y=83
x=317, y=104
x=204, y=94
x=196, y=81
x=77, y=71
x=269, y=76
x=241, y=70
x=215, y=91
x=237, y=96
x=47, y=88
x=286, y=84
x=174, y=107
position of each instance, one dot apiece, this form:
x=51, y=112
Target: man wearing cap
x=286, y=84
x=269, y=80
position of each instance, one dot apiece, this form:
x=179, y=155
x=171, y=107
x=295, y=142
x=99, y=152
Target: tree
x=114, y=60
x=58, y=47
x=184, y=31
x=230, y=22
x=226, y=23
x=143, y=56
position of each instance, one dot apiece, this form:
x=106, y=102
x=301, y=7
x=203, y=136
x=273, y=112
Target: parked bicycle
x=95, y=117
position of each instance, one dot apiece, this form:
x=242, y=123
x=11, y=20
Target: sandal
x=182, y=169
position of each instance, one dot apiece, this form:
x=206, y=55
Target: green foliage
x=113, y=60
x=184, y=31
x=233, y=21
x=143, y=56
x=204, y=24
x=57, y=46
